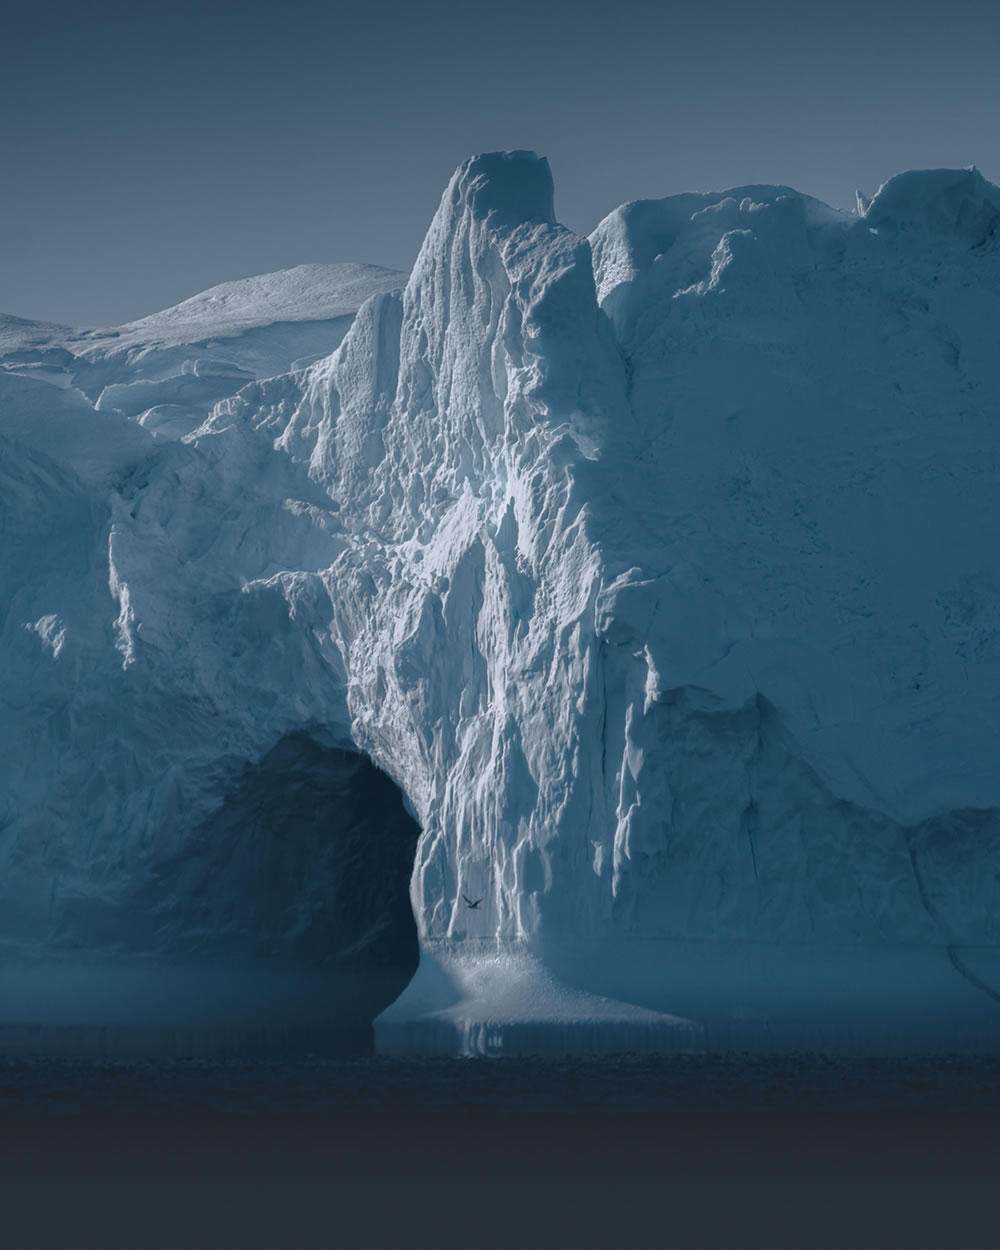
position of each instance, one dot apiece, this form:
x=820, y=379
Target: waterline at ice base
x=576, y=645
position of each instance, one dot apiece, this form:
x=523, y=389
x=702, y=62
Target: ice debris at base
x=658, y=570
x=489, y=1003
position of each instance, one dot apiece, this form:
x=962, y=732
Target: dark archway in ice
x=298, y=880
x=280, y=924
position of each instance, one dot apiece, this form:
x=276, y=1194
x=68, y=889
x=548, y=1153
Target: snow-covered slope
x=657, y=570
x=168, y=369
x=304, y=293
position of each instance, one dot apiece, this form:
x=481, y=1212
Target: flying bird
x=470, y=904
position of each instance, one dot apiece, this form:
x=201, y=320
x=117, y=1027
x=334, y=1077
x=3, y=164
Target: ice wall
x=658, y=571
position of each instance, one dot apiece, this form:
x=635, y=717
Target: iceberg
x=643, y=586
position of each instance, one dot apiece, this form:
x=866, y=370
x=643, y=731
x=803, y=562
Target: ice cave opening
x=281, y=925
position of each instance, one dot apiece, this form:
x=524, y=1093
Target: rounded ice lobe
x=649, y=248
x=953, y=203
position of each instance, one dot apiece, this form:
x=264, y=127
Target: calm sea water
x=677, y=1152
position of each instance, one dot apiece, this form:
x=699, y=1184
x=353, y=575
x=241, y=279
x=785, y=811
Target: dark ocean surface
x=674, y=1152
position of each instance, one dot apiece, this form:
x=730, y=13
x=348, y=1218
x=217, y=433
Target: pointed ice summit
x=644, y=587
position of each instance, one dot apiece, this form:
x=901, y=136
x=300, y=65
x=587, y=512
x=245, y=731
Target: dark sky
x=152, y=150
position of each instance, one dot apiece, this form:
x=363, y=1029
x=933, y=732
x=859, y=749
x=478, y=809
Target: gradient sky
x=151, y=151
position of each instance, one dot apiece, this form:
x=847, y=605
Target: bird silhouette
x=472, y=906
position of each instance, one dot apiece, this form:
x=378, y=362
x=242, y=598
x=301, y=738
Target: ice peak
x=508, y=188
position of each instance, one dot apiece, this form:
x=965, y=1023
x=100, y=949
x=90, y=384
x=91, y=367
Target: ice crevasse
x=644, y=587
